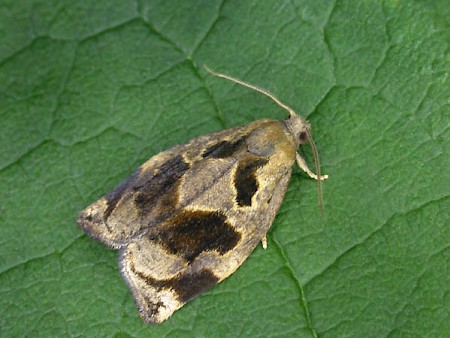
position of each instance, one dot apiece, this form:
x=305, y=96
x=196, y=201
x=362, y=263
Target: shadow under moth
x=190, y=216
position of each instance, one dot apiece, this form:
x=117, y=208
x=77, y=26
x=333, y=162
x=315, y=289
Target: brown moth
x=189, y=217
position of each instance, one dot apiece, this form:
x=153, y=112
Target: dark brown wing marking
x=224, y=149
x=190, y=233
x=245, y=180
x=161, y=186
x=187, y=286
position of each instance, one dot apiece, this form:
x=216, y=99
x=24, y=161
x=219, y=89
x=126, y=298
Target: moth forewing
x=191, y=215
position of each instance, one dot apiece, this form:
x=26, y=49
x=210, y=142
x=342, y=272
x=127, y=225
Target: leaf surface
x=89, y=91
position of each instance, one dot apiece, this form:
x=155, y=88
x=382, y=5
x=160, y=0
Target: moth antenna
x=292, y=113
x=248, y=85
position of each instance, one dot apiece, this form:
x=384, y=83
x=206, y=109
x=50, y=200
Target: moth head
x=299, y=128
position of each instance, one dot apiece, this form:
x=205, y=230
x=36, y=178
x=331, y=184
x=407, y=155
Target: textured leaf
x=90, y=90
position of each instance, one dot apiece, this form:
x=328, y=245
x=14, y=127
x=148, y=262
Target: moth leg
x=264, y=242
x=302, y=164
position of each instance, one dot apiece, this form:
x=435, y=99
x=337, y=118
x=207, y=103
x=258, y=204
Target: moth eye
x=302, y=137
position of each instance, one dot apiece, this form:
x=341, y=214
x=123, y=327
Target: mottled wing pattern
x=147, y=196
x=190, y=216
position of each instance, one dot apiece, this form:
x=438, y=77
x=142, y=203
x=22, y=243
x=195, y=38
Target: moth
x=189, y=217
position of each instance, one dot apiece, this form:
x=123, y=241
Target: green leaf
x=90, y=90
